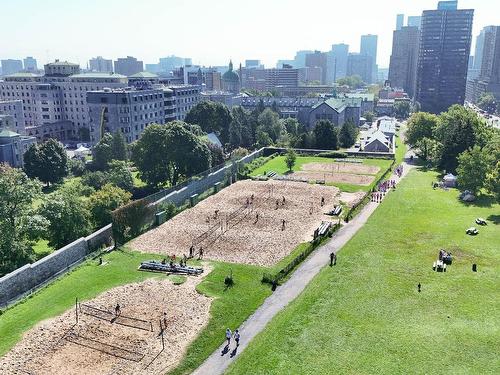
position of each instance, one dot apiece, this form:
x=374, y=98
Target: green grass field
x=365, y=316
x=278, y=165
x=231, y=306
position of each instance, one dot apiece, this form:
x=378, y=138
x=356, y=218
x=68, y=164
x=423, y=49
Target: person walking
x=332, y=256
x=237, y=337
x=228, y=336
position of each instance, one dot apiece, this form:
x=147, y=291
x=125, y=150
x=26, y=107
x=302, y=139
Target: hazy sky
x=209, y=31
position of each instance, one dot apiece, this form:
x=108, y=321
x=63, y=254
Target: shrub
x=130, y=220
x=333, y=154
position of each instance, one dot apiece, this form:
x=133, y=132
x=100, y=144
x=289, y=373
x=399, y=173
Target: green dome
x=230, y=75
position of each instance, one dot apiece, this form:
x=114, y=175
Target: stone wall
x=30, y=277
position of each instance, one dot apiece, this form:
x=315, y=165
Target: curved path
x=219, y=360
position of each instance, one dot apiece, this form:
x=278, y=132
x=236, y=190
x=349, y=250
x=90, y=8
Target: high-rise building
x=300, y=58
x=414, y=21
x=170, y=63
x=338, y=61
x=361, y=65
x=403, y=65
x=369, y=47
x=318, y=60
x=448, y=5
x=101, y=65
x=478, y=53
x=30, y=64
x=252, y=63
x=444, y=50
x=400, y=20
x=128, y=66
x=11, y=66
x=489, y=74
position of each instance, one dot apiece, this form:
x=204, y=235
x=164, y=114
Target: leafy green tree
x=95, y=179
x=487, y=102
x=292, y=126
x=168, y=153
x=369, y=116
x=118, y=147
x=187, y=154
x=19, y=224
x=492, y=182
x=290, y=159
x=354, y=81
x=69, y=217
x=104, y=201
x=211, y=117
x=103, y=152
x=473, y=166
x=428, y=150
x=402, y=109
x=241, y=130
x=420, y=125
x=458, y=130
x=47, y=161
x=269, y=123
x=119, y=174
x=150, y=155
x=216, y=154
x=76, y=166
x=263, y=139
x=327, y=135
x=348, y=134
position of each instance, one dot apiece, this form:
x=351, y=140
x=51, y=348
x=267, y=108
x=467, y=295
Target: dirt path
x=218, y=362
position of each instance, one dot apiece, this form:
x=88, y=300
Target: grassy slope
x=230, y=308
x=365, y=316
x=278, y=165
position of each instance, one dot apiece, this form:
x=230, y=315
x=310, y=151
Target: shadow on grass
x=494, y=218
x=481, y=201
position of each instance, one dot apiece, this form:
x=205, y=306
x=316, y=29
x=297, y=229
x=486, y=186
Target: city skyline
x=198, y=35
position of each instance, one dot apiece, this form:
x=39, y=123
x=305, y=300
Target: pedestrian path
x=219, y=360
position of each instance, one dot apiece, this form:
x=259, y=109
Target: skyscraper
x=403, y=65
x=478, y=53
x=414, y=21
x=11, y=66
x=400, y=20
x=337, y=61
x=443, y=57
x=30, y=64
x=101, y=65
x=361, y=65
x=128, y=66
x=318, y=60
x=489, y=74
x=300, y=58
x=369, y=47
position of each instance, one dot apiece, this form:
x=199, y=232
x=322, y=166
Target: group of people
x=377, y=196
x=235, y=336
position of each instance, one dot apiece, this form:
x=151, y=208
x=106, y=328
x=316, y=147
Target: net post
x=76, y=309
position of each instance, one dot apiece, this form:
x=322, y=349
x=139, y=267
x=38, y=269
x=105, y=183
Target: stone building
x=231, y=80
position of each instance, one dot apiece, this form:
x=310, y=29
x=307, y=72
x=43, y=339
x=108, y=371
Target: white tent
x=450, y=180
x=82, y=151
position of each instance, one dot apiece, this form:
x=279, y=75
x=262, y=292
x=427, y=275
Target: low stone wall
x=30, y=277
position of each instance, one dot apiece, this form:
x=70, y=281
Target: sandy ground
x=340, y=167
x=356, y=179
x=58, y=346
x=352, y=198
x=246, y=240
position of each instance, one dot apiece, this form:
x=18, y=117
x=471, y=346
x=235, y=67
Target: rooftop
x=61, y=63
x=23, y=75
x=339, y=104
x=6, y=133
x=143, y=75
x=97, y=75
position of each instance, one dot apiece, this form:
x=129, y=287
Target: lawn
x=230, y=307
x=278, y=165
x=365, y=316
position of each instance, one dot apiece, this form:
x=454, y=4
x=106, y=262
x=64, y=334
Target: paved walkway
x=219, y=360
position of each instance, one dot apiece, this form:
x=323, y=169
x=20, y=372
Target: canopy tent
x=450, y=180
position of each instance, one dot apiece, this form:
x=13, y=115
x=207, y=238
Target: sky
x=209, y=31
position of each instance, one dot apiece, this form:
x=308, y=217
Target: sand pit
x=329, y=177
x=351, y=199
x=246, y=240
x=341, y=167
x=58, y=346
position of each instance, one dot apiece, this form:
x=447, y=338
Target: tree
x=292, y=126
x=211, y=117
x=19, y=224
x=241, y=130
x=76, y=166
x=473, y=166
x=369, y=116
x=118, y=147
x=327, y=135
x=290, y=159
x=104, y=201
x=354, y=81
x=269, y=123
x=103, y=152
x=95, y=179
x=150, y=155
x=487, y=102
x=492, y=149
x=348, y=134
x=168, y=153
x=119, y=174
x=402, y=109
x=428, y=150
x=47, y=161
x=216, y=154
x=69, y=217
x=458, y=130
x=420, y=125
